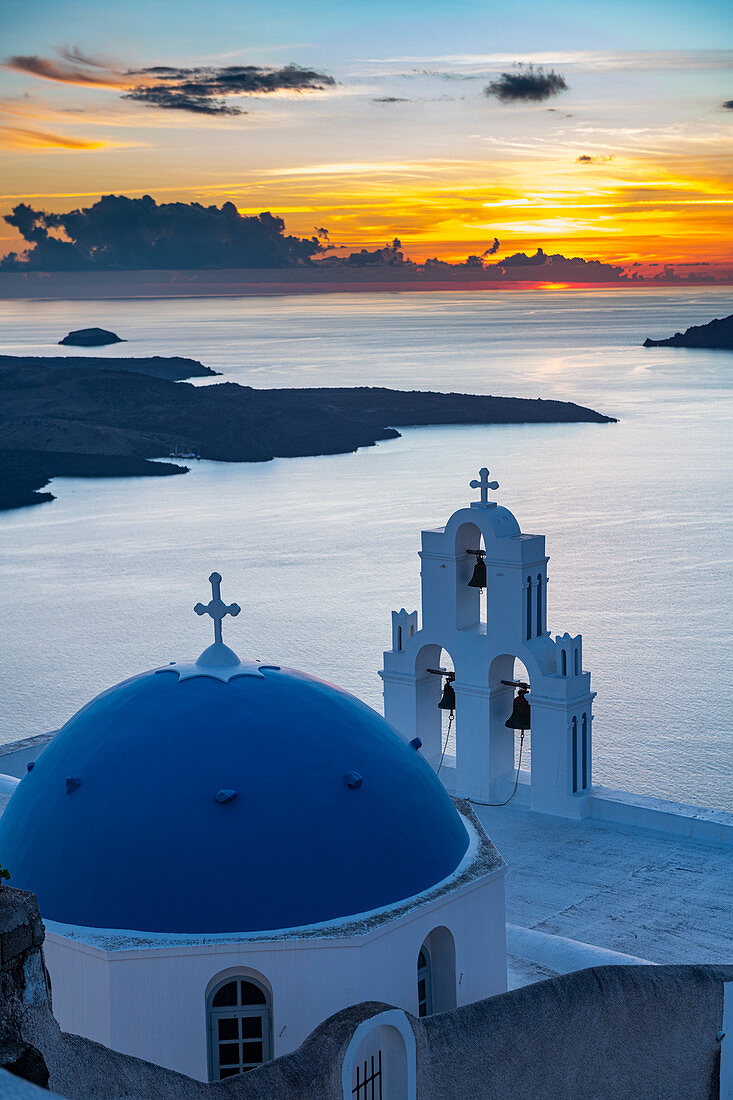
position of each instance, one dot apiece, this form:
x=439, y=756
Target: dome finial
x=484, y=485
x=216, y=606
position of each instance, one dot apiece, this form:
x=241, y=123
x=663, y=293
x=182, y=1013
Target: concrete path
x=654, y=897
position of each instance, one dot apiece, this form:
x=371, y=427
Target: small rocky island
x=91, y=338
x=715, y=334
x=84, y=422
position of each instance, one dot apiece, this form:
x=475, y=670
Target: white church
x=227, y=852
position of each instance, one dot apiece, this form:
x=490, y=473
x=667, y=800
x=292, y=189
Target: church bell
x=448, y=698
x=478, y=580
x=519, y=719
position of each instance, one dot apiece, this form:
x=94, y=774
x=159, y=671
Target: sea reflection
x=101, y=583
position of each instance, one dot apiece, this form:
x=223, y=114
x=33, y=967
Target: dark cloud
x=119, y=233
x=441, y=74
x=527, y=85
x=556, y=269
x=389, y=99
x=521, y=259
x=390, y=256
x=595, y=159
x=203, y=90
x=491, y=249
x=172, y=99
x=728, y=104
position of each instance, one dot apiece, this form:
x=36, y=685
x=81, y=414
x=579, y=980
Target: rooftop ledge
x=661, y=815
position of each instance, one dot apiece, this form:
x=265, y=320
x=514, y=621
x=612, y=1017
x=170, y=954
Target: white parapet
x=661, y=815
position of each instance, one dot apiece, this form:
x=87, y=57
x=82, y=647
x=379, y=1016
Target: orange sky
x=399, y=146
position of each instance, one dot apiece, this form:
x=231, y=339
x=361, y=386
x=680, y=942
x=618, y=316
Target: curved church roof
x=226, y=796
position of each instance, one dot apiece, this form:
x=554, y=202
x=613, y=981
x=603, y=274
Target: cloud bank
x=527, y=85
x=119, y=233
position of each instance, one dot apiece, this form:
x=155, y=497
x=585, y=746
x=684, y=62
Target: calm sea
x=100, y=583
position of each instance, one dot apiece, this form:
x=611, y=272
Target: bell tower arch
x=483, y=638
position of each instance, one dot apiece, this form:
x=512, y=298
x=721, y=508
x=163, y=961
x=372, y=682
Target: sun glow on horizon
x=626, y=166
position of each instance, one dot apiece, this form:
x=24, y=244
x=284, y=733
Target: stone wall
x=605, y=1033
x=23, y=983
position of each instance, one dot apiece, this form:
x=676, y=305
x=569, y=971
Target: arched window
x=539, y=605
x=529, y=608
x=436, y=973
x=577, y=662
x=574, y=751
x=240, y=1027
x=424, y=984
x=564, y=662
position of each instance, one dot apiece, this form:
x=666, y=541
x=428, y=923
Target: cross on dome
x=484, y=484
x=216, y=606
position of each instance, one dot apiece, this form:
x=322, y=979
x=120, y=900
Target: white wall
x=483, y=653
x=152, y=1002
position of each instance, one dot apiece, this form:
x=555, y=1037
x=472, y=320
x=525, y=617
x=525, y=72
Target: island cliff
x=84, y=422
x=172, y=367
x=715, y=334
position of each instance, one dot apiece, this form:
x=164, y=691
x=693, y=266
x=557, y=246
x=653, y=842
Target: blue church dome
x=226, y=796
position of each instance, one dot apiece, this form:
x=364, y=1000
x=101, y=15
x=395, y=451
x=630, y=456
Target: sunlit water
x=100, y=583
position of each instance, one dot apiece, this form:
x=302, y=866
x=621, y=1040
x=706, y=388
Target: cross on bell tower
x=484, y=485
x=216, y=606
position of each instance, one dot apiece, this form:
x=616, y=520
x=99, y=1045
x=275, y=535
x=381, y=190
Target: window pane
x=228, y=1054
x=421, y=960
x=252, y=994
x=228, y=1073
x=421, y=990
x=226, y=996
x=251, y=1027
x=252, y=1053
x=228, y=1029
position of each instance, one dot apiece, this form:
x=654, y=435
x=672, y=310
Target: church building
x=231, y=855
x=227, y=852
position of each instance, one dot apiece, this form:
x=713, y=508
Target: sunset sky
x=404, y=141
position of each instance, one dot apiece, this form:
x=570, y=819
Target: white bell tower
x=483, y=645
